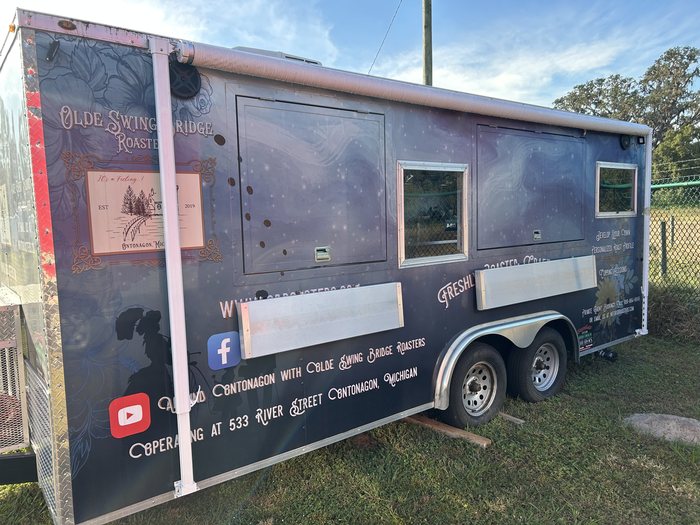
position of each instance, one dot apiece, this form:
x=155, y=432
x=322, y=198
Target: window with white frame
x=432, y=212
x=616, y=190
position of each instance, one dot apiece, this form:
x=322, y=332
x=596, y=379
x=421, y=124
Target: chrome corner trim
x=57, y=402
x=521, y=331
x=184, y=51
x=311, y=447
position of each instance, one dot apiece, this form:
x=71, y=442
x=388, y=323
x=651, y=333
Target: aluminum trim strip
x=311, y=447
x=244, y=327
x=399, y=299
x=300, y=321
x=497, y=287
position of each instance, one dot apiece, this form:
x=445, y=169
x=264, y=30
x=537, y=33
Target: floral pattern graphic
x=608, y=296
x=194, y=107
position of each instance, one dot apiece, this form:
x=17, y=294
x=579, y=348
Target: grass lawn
x=572, y=462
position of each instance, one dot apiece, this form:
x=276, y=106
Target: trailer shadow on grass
x=572, y=461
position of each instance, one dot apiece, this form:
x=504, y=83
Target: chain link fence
x=674, y=236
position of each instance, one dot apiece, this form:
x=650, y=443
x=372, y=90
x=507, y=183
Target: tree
x=667, y=86
x=664, y=97
x=615, y=97
x=129, y=201
x=678, y=155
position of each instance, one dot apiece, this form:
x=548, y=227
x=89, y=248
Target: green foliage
x=667, y=86
x=614, y=97
x=678, y=155
x=664, y=98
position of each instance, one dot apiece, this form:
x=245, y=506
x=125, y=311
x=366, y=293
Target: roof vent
x=277, y=54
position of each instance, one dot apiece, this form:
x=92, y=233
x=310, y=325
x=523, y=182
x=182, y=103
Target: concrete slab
x=671, y=428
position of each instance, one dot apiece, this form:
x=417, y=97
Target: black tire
x=537, y=372
x=477, y=388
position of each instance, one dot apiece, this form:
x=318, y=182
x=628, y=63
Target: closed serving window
x=312, y=186
x=529, y=188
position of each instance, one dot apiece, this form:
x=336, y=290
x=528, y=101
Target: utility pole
x=427, y=42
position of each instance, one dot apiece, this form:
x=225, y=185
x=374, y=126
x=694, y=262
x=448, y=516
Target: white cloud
x=268, y=24
x=539, y=58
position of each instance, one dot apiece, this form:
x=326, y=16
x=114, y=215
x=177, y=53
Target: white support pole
x=160, y=49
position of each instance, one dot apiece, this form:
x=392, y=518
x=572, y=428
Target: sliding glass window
x=616, y=190
x=432, y=213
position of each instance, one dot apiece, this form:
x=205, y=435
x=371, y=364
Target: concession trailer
x=214, y=259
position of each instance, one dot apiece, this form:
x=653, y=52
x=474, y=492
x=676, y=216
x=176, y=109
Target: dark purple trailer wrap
x=286, y=191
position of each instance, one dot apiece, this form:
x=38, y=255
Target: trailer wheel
x=537, y=372
x=478, y=387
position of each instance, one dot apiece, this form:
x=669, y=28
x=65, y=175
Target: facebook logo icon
x=224, y=350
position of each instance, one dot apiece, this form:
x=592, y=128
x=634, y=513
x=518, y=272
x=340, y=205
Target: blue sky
x=527, y=51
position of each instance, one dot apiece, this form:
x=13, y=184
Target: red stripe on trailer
x=41, y=186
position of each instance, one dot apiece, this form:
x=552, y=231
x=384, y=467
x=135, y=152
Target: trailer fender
x=520, y=331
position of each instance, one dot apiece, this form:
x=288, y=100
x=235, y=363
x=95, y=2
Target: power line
x=387, y=32
x=676, y=162
x=679, y=169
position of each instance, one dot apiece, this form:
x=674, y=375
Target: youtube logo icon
x=129, y=415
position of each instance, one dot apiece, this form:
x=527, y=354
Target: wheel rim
x=479, y=388
x=545, y=366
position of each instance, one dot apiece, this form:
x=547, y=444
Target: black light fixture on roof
x=625, y=141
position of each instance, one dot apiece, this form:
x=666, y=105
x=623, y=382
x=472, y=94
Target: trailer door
x=312, y=186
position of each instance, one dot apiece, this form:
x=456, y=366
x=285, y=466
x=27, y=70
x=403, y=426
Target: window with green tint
x=432, y=213
x=617, y=185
